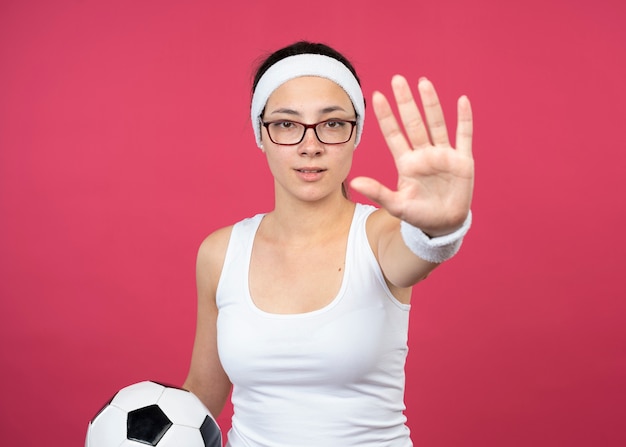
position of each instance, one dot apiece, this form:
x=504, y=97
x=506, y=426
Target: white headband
x=306, y=65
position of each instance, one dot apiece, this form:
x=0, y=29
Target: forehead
x=309, y=91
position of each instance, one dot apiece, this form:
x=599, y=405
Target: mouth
x=310, y=170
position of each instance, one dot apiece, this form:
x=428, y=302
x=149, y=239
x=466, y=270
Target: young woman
x=304, y=310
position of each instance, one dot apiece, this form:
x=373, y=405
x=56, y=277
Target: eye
x=335, y=124
x=283, y=125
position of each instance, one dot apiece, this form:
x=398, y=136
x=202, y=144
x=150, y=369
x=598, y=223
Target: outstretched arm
x=435, y=180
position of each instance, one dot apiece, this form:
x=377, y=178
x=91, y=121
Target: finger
x=434, y=113
x=409, y=113
x=389, y=126
x=465, y=126
x=376, y=191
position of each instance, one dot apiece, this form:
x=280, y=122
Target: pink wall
x=125, y=139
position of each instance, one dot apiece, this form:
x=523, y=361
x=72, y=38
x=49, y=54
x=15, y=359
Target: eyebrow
x=325, y=110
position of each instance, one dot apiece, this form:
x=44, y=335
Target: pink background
x=125, y=140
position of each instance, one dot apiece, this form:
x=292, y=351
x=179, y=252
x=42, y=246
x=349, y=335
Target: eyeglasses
x=290, y=133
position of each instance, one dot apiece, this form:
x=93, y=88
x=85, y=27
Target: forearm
x=210, y=384
x=407, y=255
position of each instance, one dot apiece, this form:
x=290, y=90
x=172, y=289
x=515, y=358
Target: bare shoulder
x=380, y=224
x=381, y=229
x=215, y=244
x=381, y=217
x=211, y=255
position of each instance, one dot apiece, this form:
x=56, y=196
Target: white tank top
x=333, y=377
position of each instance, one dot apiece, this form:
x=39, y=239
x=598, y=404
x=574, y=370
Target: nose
x=310, y=145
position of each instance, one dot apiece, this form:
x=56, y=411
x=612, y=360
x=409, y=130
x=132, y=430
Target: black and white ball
x=148, y=413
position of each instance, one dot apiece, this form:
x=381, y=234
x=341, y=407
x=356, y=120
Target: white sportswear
x=333, y=377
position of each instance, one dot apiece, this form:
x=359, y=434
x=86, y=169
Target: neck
x=310, y=221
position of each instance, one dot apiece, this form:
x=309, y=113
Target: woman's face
x=310, y=170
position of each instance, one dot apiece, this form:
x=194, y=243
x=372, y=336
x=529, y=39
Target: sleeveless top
x=333, y=377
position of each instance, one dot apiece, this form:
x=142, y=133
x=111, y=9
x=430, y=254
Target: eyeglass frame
x=313, y=126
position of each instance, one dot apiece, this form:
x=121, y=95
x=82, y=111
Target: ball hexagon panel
x=108, y=428
x=138, y=395
x=182, y=408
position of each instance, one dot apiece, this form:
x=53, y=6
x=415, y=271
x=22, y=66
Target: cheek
x=276, y=161
x=346, y=162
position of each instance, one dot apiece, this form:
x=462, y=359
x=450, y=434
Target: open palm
x=435, y=180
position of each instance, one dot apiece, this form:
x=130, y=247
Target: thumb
x=373, y=190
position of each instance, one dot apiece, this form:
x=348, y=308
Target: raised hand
x=435, y=180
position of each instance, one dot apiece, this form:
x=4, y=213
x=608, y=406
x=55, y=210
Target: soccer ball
x=149, y=413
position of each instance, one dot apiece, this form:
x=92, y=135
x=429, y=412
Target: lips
x=310, y=170
x=310, y=174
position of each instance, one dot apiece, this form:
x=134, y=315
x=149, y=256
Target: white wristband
x=437, y=249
